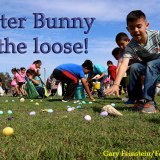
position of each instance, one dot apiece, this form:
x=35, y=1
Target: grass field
x=63, y=135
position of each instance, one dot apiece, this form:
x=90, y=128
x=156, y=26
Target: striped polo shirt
x=148, y=52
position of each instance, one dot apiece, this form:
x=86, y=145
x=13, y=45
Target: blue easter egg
x=50, y=110
x=78, y=107
x=1, y=112
x=113, y=104
x=9, y=112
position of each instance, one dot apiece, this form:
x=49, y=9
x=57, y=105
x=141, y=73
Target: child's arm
x=102, y=75
x=34, y=81
x=85, y=84
x=120, y=74
x=118, y=66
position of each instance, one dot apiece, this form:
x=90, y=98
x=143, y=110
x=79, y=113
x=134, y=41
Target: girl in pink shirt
x=36, y=67
x=19, y=80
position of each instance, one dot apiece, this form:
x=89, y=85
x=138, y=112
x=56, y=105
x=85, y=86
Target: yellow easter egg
x=8, y=131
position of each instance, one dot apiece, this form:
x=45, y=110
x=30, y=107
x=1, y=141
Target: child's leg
x=21, y=88
x=100, y=91
x=135, y=86
x=17, y=89
x=71, y=80
x=152, y=72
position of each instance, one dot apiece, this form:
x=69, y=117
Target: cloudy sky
x=110, y=19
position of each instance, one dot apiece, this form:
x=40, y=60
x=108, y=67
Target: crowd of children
x=137, y=72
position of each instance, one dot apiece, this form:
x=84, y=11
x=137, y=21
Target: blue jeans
x=151, y=70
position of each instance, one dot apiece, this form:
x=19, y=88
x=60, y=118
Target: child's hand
x=112, y=90
x=92, y=98
x=30, y=77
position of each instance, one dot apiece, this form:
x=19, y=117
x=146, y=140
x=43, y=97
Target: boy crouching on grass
x=70, y=74
x=145, y=44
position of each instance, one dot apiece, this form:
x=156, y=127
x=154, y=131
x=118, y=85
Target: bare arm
x=33, y=80
x=118, y=66
x=100, y=76
x=85, y=84
x=120, y=74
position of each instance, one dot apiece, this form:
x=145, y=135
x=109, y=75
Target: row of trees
x=6, y=80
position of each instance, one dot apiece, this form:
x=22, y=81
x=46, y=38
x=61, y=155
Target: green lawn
x=66, y=135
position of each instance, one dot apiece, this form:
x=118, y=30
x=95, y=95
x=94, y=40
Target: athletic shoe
x=129, y=101
x=149, y=107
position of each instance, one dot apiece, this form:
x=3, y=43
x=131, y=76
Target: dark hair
x=14, y=70
x=18, y=70
x=32, y=72
x=134, y=15
x=22, y=68
x=37, y=62
x=109, y=62
x=88, y=64
x=116, y=51
x=121, y=36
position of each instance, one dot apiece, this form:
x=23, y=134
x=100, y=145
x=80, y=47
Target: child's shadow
x=97, y=109
x=52, y=100
x=154, y=120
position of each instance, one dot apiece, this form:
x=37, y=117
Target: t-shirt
x=33, y=67
x=23, y=76
x=40, y=84
x=18, y=77
x=112, y=72
x=74, y=69
x=148, y=52
x=99, y=69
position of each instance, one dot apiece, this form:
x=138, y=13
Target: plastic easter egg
x=31, y=100
x=104, y=114
x=6, y=100
x=9, y=118
x=87, y=118
x=83, y=102
x=9, y=112
x=8, y=131
x=22, y=100
x=78, y=107
x=113, y=104
x=90, y=102
x=1, y=112
x=50, y=110
x=37, y=104
x=13, y=100
x=32, y=113
x=69, y=109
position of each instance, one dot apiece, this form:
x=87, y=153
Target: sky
x=110, y=19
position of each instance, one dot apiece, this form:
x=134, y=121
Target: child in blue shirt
x=70, y=74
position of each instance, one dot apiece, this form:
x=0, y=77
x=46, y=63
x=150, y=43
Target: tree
x=6, y=80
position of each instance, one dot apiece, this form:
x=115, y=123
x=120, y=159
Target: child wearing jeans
x=146, y=45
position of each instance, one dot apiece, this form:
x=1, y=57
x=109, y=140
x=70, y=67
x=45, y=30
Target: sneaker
x=140, y=103
x=138, y=106
x=129, y=101
x=149, y=107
